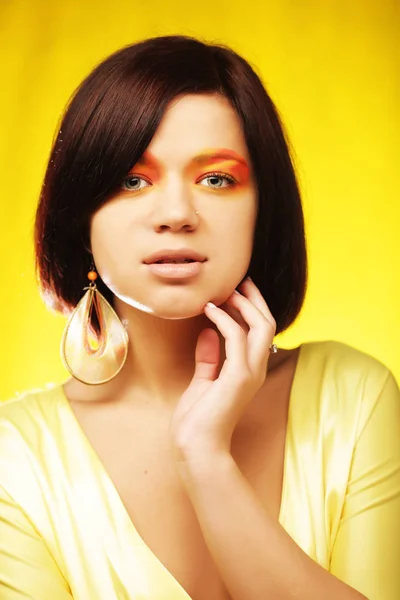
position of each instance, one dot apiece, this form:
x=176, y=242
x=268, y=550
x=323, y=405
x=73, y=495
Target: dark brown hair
x=107, y=126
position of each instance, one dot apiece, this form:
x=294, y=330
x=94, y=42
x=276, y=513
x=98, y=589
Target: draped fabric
x=65, y=533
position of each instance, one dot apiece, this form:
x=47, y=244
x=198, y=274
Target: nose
x=175, y=209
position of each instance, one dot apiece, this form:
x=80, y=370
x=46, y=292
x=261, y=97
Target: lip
x=174, y=254
x=176, y=271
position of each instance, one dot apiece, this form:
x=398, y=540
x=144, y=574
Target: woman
x=185, y=458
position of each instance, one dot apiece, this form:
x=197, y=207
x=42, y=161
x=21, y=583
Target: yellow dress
x=64, y=532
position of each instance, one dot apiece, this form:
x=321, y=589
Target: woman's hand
x=209, y=410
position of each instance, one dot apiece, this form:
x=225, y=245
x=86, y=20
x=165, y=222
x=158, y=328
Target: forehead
x=195, y=122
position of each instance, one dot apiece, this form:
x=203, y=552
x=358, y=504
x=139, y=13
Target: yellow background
x=332, y=69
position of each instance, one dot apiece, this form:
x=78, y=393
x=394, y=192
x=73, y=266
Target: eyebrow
x=147, y=159
x=221, y=154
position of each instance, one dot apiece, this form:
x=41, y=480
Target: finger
x=236, y=315
x=249, y=289
x=260, y=335
x=207, y=355
x=236, y=363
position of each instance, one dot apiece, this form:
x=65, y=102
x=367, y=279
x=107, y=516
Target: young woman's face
x=197, y=161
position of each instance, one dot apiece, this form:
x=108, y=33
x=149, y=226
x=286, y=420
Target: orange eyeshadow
x=218, y=159
x=238, y=170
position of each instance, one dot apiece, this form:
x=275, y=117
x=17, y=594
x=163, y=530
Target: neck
x=161, y=358
x=161, y=354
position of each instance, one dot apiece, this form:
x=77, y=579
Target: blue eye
x=135, y=183
x=216, y=180
x=132, y=183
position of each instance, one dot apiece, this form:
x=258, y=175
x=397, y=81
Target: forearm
x=255, y=556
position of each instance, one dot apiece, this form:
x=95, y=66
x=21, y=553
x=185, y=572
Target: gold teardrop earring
x=94, y=356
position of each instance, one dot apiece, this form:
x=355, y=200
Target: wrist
x=202, y=465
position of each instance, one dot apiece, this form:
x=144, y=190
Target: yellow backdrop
x=332, y=69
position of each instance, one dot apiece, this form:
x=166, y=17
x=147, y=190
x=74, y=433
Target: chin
x=174, y=304
x=176, y=312
x=163, y=308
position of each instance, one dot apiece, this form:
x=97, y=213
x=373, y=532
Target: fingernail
x=211, y=305
x=249, y=279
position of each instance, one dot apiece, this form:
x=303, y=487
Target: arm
x=27, y=569
x=255, y=556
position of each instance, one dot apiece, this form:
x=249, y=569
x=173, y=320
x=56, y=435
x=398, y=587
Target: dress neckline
x=113, y=492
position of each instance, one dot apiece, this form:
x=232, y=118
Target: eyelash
x=228, y=178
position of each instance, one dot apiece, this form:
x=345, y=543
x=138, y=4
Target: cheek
x=107, y=235
x=235, y=233
x=236, y=227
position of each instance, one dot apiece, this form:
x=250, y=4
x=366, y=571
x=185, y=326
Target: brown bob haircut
x=107, y=126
